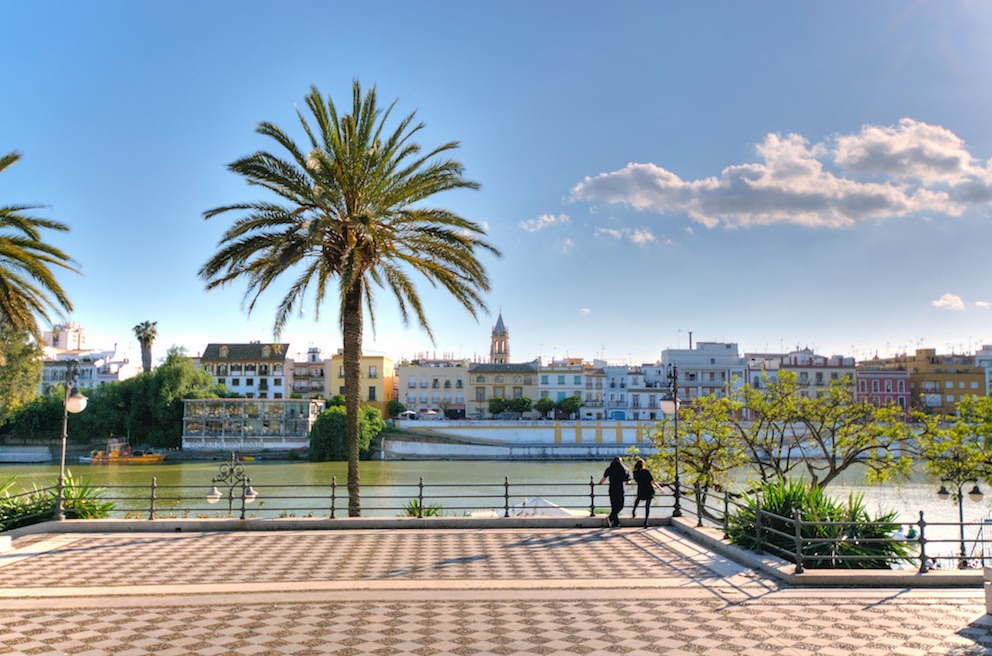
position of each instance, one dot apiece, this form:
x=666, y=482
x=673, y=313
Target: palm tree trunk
x=352, y=336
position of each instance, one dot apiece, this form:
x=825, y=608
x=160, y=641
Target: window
x=458, y=383
x=235, y=381
x=249, y=382
x=373, y=373
x=528, y=380
x=435, y=383
x=888, y=386
x=561, y=396
x=277, y=370
x=518, y=392
x=498, y=379
x=423, y=381
x=413, y=381
x=544, y=394
x=411, y=397
x=544, y=379
x=499, y=392
x=950, y=398
x=341, y=371
x=577, y=380
x=209, y=369
x=862, y=386
x=220, y=381
x=901, y=385
x=263, y=370
x=480, y=379
x=371, y=392
x=224, y=351
x=277, y=382
x=561, y=380
x=266, y=351
x=480, y=393
x=222, y=370
x=341, y=391
x=874, y=386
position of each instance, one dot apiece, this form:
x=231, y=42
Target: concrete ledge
x=784, y=571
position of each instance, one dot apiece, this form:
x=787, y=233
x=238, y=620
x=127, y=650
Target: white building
x=67, y=341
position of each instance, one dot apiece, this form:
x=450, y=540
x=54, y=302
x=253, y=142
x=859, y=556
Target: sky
x=774, y=174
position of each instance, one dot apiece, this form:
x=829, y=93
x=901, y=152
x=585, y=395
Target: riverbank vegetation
x=80, y=501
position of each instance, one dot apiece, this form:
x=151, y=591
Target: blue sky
x=770, y=173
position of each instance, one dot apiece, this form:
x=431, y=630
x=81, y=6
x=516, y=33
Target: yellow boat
x=120, y=452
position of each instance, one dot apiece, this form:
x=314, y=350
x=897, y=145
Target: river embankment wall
x=515, y=440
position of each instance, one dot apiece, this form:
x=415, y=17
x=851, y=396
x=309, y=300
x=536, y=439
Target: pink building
x=882, y=387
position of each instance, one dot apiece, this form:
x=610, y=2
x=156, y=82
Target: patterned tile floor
x=465, y=592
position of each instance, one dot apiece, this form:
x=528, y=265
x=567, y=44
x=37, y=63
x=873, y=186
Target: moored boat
x=120, y=452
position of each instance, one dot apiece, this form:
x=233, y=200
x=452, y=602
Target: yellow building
x=937, y=382
x=506, y=381
x=378, y=379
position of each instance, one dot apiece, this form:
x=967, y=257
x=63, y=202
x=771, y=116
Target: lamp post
x=232, y=475
x=75, y=403
x=672, y=407
x=975, y=495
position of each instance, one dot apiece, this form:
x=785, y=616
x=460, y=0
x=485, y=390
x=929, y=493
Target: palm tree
x=146, y=334
x=350, y=210
x=28, y=288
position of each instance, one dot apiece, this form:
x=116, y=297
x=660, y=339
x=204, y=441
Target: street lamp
x=975, y=495
x=671, y=407
x=232, y=475
x=75, y=403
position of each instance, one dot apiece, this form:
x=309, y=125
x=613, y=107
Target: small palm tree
x=146, y=334
x=351, y=210
x=28, y=288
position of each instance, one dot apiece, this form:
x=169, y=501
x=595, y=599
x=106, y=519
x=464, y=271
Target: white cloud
x=544, y=221
x=585, y=312
x=949, y=302
x=881, y=172
x=983, y=305
x=638, y=236
x=565, y=245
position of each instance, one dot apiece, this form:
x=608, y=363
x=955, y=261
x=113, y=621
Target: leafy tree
x=708, y=446
x=569, y=406
x=394, y=408
x=146, y=332
x=544, y=405
x=351, y=209
x=497, y=405
x=28, y=288
x=336, y=400
x=520, y=404
x=20, y=377
x=783, y=432
x=328, y=439
x=959, y=451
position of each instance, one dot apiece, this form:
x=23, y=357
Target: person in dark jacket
x=618, y=477
x=646, y=485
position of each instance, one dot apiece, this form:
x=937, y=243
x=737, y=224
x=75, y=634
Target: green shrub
x=412, y=509
x=80, y=501
x=835, y=535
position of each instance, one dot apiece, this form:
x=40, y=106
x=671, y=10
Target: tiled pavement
x=466, y=592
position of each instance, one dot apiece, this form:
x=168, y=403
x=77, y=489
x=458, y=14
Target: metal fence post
x=151, y=509
x=592, y=497
x=758, y=549
x=726, y=514
x=506, y=496
x=334, y=489
x=420, y=497
x=924, y=567
x=798, y=524
x=699, y=503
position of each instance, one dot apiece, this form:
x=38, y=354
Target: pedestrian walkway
x=461, y=591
